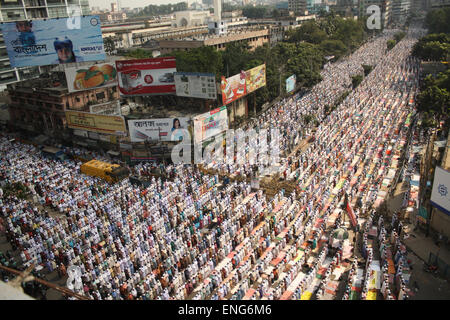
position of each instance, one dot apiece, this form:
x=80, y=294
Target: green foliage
x=334, y=48
x=367, y=69
x=254, y=12
x=437, y=21
x=399, y=36
x=335, y=35
x=17, y=189
x=390, y=44
x=139, y=54
x=434, y=99
x=156, y=10
x=202, y=59
x=109, y=45
x=435, y=47
x=309, y=32
x=235, y=56
x=356, y=80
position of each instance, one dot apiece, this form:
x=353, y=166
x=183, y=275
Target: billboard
x=108, y=108
x=196, y=85
x=157, y=129
x=440, y=195
x=98, y=75
x=146, y=76
x=256, y=78
x=290, y=83
x=53, y=41
x=233, y=87
x=96, y=122
x=210, y=124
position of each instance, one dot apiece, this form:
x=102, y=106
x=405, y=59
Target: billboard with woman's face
x=164, y=129
x=53, y=41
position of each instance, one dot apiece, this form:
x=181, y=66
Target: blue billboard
x=53, y=41
x=290, y=83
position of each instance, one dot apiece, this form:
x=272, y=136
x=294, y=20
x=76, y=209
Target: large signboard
x=233, y=87
x=196, y=85
x=210, y=124
x=256, y=78
x=53, y=41
x=290, y=83
x=440, y=195
x=96, y=122
x=157, y=129
x=108, y=108
x=98, y=75
x=146, y=76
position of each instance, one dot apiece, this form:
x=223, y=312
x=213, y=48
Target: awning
x=40, y=139
x=113, y=153
x=81, y=143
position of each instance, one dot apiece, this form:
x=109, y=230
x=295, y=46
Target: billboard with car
x=146, y=76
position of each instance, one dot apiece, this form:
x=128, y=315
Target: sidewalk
x=422, y=246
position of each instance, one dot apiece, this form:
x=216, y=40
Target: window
x=100, y=95
x=78, y=99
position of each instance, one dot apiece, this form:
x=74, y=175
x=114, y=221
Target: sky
x=130, y=3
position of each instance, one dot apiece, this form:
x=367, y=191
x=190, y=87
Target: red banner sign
x=146, y=76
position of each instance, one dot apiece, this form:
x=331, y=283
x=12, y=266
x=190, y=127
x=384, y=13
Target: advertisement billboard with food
x=98, y=75
x=233, y=87
x=256, y=78
x=146, y=76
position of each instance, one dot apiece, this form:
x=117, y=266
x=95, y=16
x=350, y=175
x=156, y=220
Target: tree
x=434, y=100
x=399, y=36
x=437, y=21
x=390, y=44
x=139, y=54
x=367, y=69
x=334, y=48
x=309, y=32
x=202, y=59
x=234, y=57
x=254, y=12
x=109, y=45
x=356, y=80
x=275, y=13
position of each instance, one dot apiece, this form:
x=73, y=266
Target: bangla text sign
x=146, y=76
x=96, y=122
x=157, y=129
x=210, y=124
x=53, y=41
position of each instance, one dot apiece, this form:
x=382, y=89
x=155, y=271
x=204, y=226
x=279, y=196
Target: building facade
x=297, y=6
x=400, y=11
x=15, y=10
x=39, y=104
x=254, y=38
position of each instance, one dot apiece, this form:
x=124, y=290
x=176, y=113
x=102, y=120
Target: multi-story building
x=436, y=4
x=254, y=38
x=39, y=105
x=14, y=10
x=298, y=6
x=400, y=11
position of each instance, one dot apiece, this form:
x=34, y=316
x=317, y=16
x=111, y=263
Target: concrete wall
x=440, y=222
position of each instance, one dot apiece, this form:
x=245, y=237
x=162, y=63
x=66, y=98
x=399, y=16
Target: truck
x=104, y=170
